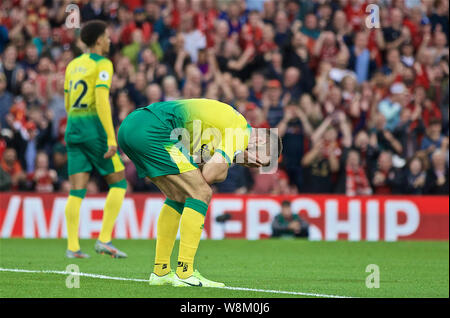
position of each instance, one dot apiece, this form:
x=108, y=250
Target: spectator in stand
x=439, y=19
x=386, y=179
x=137, y=23
x=311, y=27
x=6, y=100
x=124, y=106
x=275, y=67
x=31, y=60
x=256, y=88
x=170, y=88
x=137, y=90
x=12, y=167
x=44, y=40
x=55, y=104
x=288, y=224
x=13, y=71
x=132, y=50
x=407, y=54
x=362, y=61
x=93, y=10
x=391, y=107
x=354, y=11
x=384, y=139
x=397, y=33
x=437, y=176
x=415, y=176
x=163, y=29
x=294, y=129
x=367, y=149
x=273, y=102
x=353, y=180
x=282, y=29
x=320, y=163
x=392, y=61
x=291, y=83
x=323, y=159
x=434, y=138
x=328, y=46
x=194, y=40
x=153, y=94
x=42, y=179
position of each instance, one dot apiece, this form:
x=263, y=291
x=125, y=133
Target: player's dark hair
x=91, y=31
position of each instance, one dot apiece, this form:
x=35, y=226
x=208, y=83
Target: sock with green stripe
x=191, y=226
x=166, y=233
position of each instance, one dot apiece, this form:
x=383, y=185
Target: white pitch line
x=17, y=270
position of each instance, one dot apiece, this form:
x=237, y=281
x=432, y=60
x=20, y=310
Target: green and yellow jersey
x=89, y=113
x=213, y=126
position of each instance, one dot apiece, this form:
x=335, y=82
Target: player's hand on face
x=250, y=159
x=111, y=151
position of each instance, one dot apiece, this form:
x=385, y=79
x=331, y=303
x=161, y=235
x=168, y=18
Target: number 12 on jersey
x=83, y=85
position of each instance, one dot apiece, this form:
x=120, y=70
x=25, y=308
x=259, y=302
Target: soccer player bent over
x=150, y=138
x=90, y=138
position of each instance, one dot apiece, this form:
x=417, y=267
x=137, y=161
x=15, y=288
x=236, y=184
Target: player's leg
x=117, y=189
x=114, y=199
x=78, y=168
x=78, y=184
x=191, y=187
x=168, y=221
x=113, y=170
x=166, y=233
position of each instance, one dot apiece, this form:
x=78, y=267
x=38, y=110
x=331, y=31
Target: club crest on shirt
x=103, y=75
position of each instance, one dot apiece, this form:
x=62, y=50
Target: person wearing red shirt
x=414, y=23
x=42, y=178
x=267, y=42
x=138, y=22
x=180, y=9
x=11, y=166
x=252, y=32
x=204, y=20
x=132, y=4
x=355, y=11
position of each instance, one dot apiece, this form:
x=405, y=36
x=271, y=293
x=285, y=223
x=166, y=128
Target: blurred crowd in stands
x=361, y=109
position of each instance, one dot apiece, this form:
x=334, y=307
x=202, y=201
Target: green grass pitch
x=407, y=269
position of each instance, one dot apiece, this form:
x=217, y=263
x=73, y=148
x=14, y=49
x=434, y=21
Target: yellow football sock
x=111, y=210
x=167, y=229
x=73, y=218
x=191, y=227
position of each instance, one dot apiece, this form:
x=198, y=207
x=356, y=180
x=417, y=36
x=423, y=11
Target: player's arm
x=66, y=101
x=254, y=155
x=216, y=169
x=104, y=113
x=102, y=85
